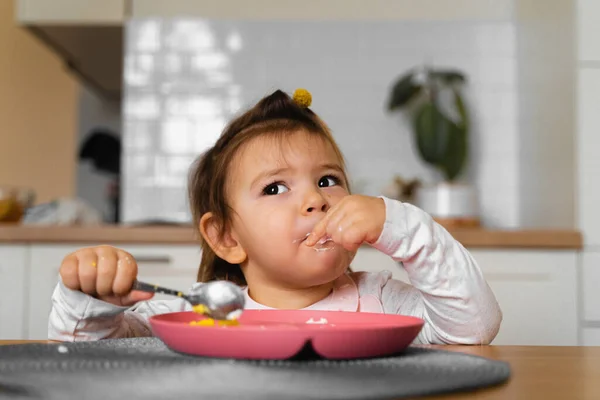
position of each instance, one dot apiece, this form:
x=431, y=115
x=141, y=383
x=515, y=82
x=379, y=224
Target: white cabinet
x=172, y=266
x=536, y=290
x=591, y=336
x=44, y=265
x=71, y=11
x=13, y=291
x=590, y=270
x=590, y=283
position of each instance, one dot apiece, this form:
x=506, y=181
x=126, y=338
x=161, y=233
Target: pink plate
x=281, y=334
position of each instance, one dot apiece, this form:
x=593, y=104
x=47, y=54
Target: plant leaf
x=458, y=146
x=462, y=111
x=456, y=152
x=403, y=91
x=449, y=76
x=431, y=131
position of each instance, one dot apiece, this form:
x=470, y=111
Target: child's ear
x=225, y=246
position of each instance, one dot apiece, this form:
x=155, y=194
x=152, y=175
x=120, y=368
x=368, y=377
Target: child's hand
x=104, y=272
x=353, y=221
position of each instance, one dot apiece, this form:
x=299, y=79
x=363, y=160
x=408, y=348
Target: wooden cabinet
x=86, y=34
x=13, y=291
x=71, y=11
x=172, y=266
x=536, y=290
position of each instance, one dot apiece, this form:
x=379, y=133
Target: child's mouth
x=322, y=244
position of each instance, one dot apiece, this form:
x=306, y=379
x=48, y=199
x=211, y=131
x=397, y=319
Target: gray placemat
x=145, y=368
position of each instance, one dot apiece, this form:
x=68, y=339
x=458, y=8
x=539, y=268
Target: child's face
x=280, y=188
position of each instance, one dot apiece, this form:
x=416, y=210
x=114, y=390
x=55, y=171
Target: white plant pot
x=451, y=204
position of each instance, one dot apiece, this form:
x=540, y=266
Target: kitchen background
x=158, y=80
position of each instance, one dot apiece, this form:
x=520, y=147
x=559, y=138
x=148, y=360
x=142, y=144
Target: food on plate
x=212, y=322
x=200, y=309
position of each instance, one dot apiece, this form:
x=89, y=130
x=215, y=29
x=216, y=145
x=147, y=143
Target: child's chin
x=333, y=264
x=326, y=256
x=314, y=277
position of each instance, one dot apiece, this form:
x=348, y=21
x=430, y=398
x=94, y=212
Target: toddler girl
x=274, y=176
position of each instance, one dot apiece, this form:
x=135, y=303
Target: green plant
x=442, y=141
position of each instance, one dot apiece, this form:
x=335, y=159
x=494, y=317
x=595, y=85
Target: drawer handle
x=153, y=259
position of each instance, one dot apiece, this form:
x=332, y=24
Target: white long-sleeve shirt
x=447, y=290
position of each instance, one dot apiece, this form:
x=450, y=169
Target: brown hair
x=276, y=114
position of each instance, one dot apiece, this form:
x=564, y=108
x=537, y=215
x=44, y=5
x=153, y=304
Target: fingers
x=346, y=223
x=69, y=272
x=135, y=296
x=105, y=271
x=102, y=271
x=126, y=273
x=351, y=237
x=87, y=269
x=326, y=225
x=318, y=232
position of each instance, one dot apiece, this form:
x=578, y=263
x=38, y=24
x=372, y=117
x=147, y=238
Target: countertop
x=111, y=234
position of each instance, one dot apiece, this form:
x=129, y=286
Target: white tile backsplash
x=184, y=80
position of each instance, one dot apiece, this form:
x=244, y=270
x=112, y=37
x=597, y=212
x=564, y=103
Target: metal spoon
x=216, y=299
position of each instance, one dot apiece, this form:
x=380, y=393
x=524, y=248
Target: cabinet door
x=13, y=270
x=536, y=290
x=71, y=11
x=590, y=269
x=591, y=336
x=173, y=266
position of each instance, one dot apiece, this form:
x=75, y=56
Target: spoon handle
x=148, y=287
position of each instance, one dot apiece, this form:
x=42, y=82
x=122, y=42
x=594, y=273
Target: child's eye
x=329, y=180
x=274, y=189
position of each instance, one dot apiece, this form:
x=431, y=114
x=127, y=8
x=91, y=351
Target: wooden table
x=538, y=372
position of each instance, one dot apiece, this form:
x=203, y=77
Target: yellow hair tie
x=302, y=97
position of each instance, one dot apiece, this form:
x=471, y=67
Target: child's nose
x=323, y=208
x=315, y=203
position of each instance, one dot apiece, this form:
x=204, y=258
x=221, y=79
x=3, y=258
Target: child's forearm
x=456, y=301
x=75, y=316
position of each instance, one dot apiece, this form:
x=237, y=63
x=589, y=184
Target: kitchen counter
x=471, y=238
